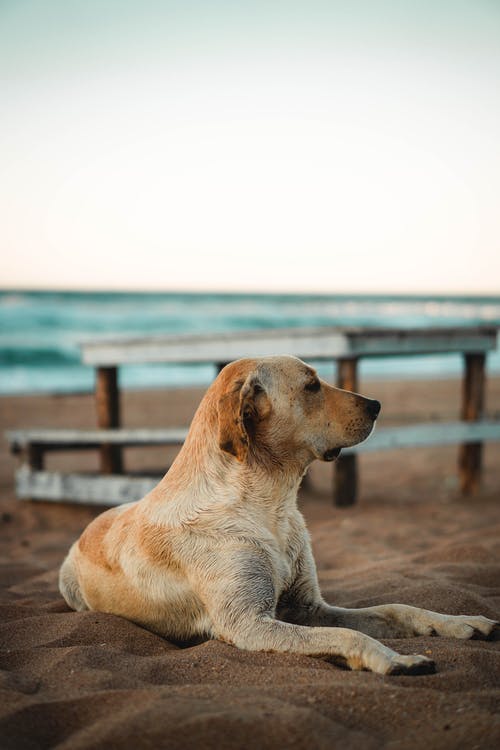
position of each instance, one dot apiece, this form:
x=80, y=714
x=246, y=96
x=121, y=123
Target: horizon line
x=247, y=292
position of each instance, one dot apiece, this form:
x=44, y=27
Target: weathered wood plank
x=114, y=490
x=428, y=434
x=224, y=347
x=407, y=436
x=321, y=343
x=81, y=488
x=62, y=439
x=399, y=342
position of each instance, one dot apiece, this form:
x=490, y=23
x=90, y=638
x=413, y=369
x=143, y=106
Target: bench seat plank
x=114, y=490
x=55, y=439
x=87, y=489
x=428, y=434
x=317, y=343
x=406, y=436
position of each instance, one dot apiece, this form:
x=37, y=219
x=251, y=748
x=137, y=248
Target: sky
x=250, y=146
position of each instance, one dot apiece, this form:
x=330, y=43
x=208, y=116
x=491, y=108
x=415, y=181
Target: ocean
x=40, y=332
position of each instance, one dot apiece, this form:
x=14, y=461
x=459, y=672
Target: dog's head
x=277, y=410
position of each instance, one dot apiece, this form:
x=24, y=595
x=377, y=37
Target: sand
x=88, y=680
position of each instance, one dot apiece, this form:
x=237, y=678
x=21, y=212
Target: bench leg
x=470, y=454
x=345, y=480
x=35, y=457
x=108, y=417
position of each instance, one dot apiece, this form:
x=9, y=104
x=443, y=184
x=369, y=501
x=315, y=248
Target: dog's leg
x=303, y=604
x=240, y=599
x=343, y=646
x=69, y=586
x=403, y=621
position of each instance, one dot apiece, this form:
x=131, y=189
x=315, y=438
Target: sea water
x=41, y=332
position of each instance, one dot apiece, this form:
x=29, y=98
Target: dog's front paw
x=412, y=664
x=388, y=662
x=465, y=627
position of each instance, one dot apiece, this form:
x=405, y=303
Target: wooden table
x=346, y=345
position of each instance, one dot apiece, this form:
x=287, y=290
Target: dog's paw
x=465, y=627
x=413, y=664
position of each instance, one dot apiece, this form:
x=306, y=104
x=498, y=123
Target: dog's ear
x=232, y=438
x=240, y=411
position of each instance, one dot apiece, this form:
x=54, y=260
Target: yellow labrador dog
x=219, y=549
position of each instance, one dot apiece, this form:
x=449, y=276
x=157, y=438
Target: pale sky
x=258, y=146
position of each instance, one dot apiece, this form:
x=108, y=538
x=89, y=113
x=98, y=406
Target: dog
x=218, y=549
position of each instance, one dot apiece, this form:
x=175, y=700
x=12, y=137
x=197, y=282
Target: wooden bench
x=33, y=482
x=345, y=345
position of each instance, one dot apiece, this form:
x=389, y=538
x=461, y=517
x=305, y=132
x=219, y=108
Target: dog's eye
x=313, y=386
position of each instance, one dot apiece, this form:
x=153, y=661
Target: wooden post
x=108, y=416
x=470, y=454
x=35, y=457
x=345, y=480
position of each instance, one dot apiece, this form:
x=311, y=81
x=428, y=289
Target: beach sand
x=88, y=680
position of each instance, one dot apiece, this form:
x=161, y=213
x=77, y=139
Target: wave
x=40, y=332
x=37, y=357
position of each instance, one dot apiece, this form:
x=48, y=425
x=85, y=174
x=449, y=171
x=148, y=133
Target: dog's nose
x=373, y=408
